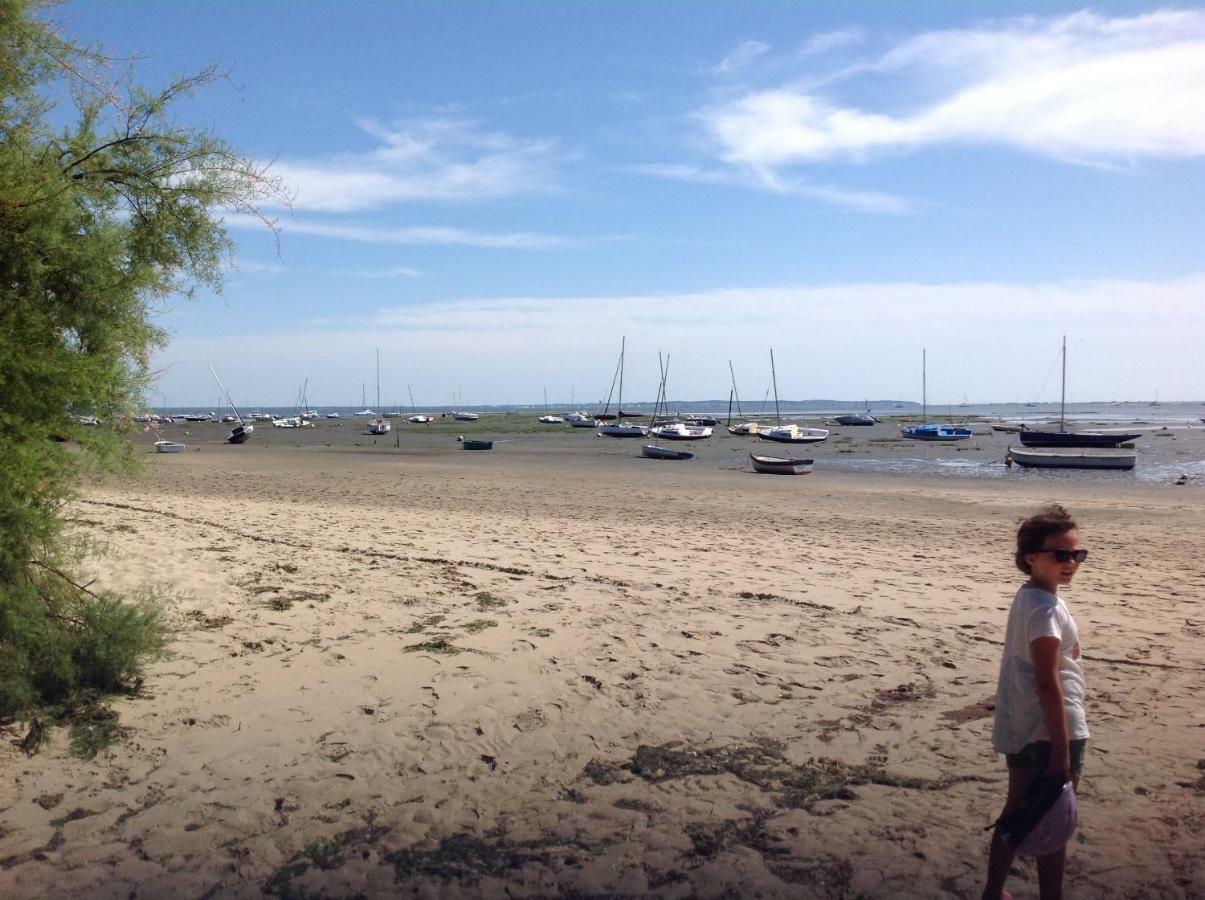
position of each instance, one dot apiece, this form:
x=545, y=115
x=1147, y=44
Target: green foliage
x=100, y=220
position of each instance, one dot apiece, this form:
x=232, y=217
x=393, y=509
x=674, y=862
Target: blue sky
x=494, y=193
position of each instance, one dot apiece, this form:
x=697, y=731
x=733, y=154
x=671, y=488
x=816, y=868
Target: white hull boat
x=1071, y=458
x=777, y=465
x=169, y=447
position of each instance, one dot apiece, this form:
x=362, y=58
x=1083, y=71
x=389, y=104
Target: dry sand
x=439, y=673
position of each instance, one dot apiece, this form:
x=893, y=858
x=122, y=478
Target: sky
x=495, y=194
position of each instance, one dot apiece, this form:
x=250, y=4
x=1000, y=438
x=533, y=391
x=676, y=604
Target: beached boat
x=1072, y=458
x=243, y=429
x=332, y=415
x=620, y=428
x=745, y=428
x=652, y=451
x=465, y=416
x=1065, y=438
x=477, y=444
x=788, y=434
x=855, y=419
x=552, y=420
x=419, y=419
x=169, y=447
x=379, y=425
x=702, y=421
x=793, y=434
x=777, y=465
x=678, y=431
x=932, y=431
x=1007, y=427
x=581, y=420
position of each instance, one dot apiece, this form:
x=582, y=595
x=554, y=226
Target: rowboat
x=169, y=447
x=777, y=465
x=1072, y=458
x=474, y=444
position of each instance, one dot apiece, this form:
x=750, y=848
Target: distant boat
x=379, y=425
x=465, y=416
x=1007, y=427
x=856, y=418
x=705, y=421
x=1072, y=458
x=788, y=434
x=553, y=420
x=417, y=418
x=169, y=447
x=932, y=431
x=332, y=415
x=581, y=420
x=473, y=444
x=678, y=431
x=776, y=465
x=1065, y=438
x=242, y=430
x=671, y=432
x=622, y=429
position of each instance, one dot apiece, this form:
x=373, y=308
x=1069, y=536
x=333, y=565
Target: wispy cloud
x=741, y=56
x=250, y=267
x=424, y=235
x=770, y=180
x=437, y=159
x=1082, y=87
x=829, y=40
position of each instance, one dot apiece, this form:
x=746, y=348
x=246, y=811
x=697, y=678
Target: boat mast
x=734, y=394
x=774, y=381
x=1063, y=392
x=924, y=386
x=623, y=342
x=378, y=380
x=729, y=422
x=224, y=391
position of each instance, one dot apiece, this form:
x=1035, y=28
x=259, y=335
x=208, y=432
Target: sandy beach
x=416, y=671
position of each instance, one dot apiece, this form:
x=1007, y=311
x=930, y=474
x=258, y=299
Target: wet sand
x=537, y=672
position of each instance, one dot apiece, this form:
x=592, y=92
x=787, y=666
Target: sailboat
x=621, y=428
x=848, y=419
x=363, y=402
x=788, y=434
x=379, y=425
x=653, y=450
x=743, y=427
x=242, y=430
x=548, y=418
x=932, y=431
x=1065, y=438
x=416, y=417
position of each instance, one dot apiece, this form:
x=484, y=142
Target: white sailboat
x=379, y=425
x=788, y=434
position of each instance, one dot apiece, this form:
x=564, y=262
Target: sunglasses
x=1066, y=556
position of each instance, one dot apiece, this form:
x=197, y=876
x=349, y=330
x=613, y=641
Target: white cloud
x=989, y=341
x=741, y=56
x=441, y=159
x=1081, y=87
x=423, y=235
x=250, y=267
x=829, y=40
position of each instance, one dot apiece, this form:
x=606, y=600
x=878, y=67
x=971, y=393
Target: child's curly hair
x=1032, y=534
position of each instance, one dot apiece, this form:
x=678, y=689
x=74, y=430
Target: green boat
x=478, y=445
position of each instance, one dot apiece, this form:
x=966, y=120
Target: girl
x=1040, y=724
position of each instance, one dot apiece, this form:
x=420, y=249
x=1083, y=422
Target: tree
x=100, y=220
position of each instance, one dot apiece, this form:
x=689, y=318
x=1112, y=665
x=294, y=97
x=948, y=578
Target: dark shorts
x=1036, y=756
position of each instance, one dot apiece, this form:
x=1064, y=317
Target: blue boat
x=932, y=431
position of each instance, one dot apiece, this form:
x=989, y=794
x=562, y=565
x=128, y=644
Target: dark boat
x=654, y=452
x=1065, y=438
x=855, y=419
x=709, y=421
x=472, y=444
x=775, y=465
x=239, y=434
x=1077, y=438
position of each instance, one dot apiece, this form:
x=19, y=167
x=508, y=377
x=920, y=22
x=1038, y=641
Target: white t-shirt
x=1036, y=613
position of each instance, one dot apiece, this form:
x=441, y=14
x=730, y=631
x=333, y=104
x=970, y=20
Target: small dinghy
x=169, y=447
x=474, y=444
x=1072, y=458
x=777, y=465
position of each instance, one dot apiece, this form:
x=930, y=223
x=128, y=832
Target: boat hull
x=855, y=420
x=624, y=431
x=1077, y=438
x=792, y=439
x=478, y=445
x=653, y=452
x=169, y=447
x=936, y=433
x=1071, y=458
x=239, y=434
x=776, y=465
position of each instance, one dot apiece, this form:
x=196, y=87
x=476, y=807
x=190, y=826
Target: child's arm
x=1045, y=654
